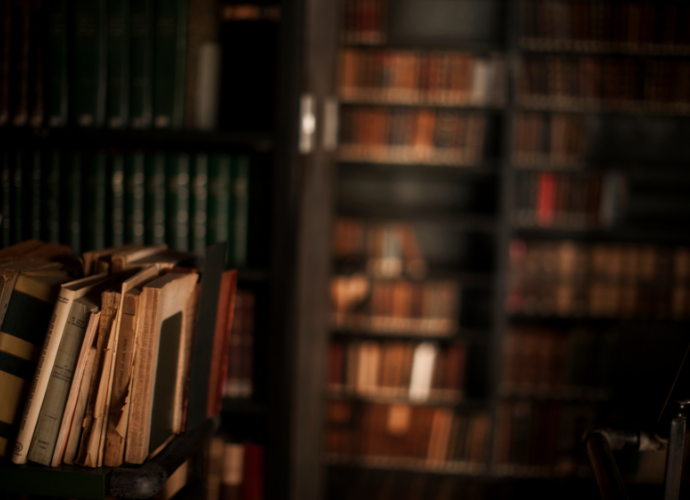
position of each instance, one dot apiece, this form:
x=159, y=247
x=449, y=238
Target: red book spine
x=253, y=480
x=546, y=199
x=225, y=352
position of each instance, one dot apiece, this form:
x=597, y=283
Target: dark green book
x=116, y=201
x=88, y=97
x=35, y=218
x=154, y=201
x=56, y=64
x=177, y=198
x=72, y=188
x=135, y=188
x=169, y=66
x=117, y=43
x=219, y=199
x=6, y=231
x=51, y=198
x=140, y=62
x=198, y=206
x=95, y=175
x=240, y=211
x=18, y=211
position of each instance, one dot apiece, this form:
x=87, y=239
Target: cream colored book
x=97, y=438
x=90, y=260
x=155, y=405
x=68, y=293
x=76, y=426
x=73, y=395
x=119, y=261
x=53, y=408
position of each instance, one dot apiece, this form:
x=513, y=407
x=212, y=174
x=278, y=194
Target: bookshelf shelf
x=429, y=171
x=95, y=484
x=622, y=234
x=596, y=107
x=169, y=139
x=253, y=276
x=574, y=394
x=242, y=406
x=467, y=222
x=463, y=333
x=374, y=100
x=602, y=48
x=430, y=158
x=409, y=465
x=384, y=397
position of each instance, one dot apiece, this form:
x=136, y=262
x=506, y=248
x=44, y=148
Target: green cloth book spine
x=18, y=211
x=6, y=227
x=117, y=90
x=219, y=198
x=170, y=54
x=23, y=331
x=51, y=198
x=95, y=174
x=140, y=62
x=178, y=201
x=240, y=211
x=56, y=64
x=134, y=197
x=155, y=199
x=53, y=407
x=5, y=60
x=116, y=201
x=199, y=200
x=36, y=171
x=89, y=63
x=72, y=187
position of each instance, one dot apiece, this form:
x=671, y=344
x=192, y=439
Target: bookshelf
x=540, y=128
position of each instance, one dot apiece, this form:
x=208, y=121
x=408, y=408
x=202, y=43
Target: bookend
x=669, y=434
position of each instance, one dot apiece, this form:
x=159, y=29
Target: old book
x=122, y=375
x=121, y=259
x=226, y=299
x=94, y=446
x=22, y=334
x=68, y=293
x=89, y=78
x=53, y=408
x=76, y=425
x=156, y=407
x=225, y=347
x=90, y=260
x=233, y=471
x=117, y=57
x=140, y=62
x=422, y=370
x=73, y=395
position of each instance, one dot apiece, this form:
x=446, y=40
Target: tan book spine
x=109, y=305
x=62, y=373
x=72, y=399
x=138, y=431
x=42, y=376
x=124, y=364
x=75, y=429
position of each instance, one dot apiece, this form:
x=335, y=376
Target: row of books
x=400, y=135
x=603, y=82
x=429, y=437
x=119, y=361
x=413, y=77
x=569, y=201
x=419, y=371
x=389, y=250
x=546, y=362
x=118, y=64
x=234, y=471
x=90, y=200
x=590, y=25
x=543, y=435
x=553, y=140
x=395, y=306
x=364, y=22
x=571, y=261
x=240, y=372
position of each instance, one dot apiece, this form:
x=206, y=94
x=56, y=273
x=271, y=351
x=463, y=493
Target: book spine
x=20, y=62
x=170, y=46
x=18, y=209
x=116, y=200
x=177, y=198
x=51, y=198
x=36, y=91
x=76, y=426
x=134, y=197
x=6, y=226
x=56, y=64
x=5, y=60
x=42, y=376
x=199, y=199
x=50, y=418
x=155, y=199
x=140, y=62
x=240, y=211
x=117, y=90
x=218, y=198
x=89, y=63
x=35, y=173
x=95, y=171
